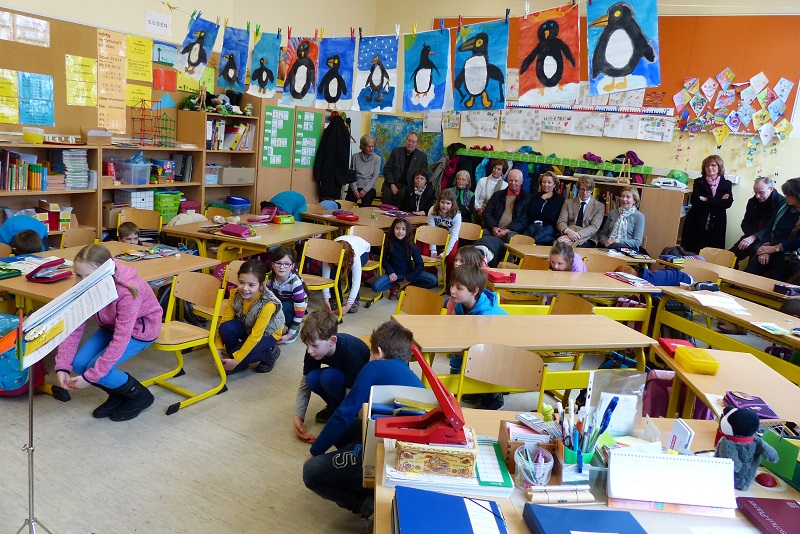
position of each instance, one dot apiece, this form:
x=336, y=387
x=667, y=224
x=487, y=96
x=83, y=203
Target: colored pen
x=605, y=421
x=580, y=461
x=575, y=440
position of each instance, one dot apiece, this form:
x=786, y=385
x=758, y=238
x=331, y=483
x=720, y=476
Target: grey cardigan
x=635, y=230
x=367, y=171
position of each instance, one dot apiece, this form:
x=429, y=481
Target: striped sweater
x=291, y=290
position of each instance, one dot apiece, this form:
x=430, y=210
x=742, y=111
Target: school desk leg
x=648, y=302
x=657, y=329
x=688, y=406
x=675, y=394
x=641, y=358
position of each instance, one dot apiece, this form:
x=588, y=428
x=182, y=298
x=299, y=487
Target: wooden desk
x=457, y=333
x=718, y=340
x=738, y=371
x=488, y=423
x=149, y=270
x=268, y=236
x=543, y=251
x=364, y=218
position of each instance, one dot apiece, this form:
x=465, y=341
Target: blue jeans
x=424, y=280
x=96, y=346
x=234, y=334
x=336, y=476
x=288, y=311
x=542, y=234
x=328, y=383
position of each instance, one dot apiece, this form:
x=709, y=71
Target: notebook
x=421, y=511
x=696, y=485
x=543, y=519
x=771, y=516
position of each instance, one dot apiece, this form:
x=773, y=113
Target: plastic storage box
x=167, y=203
x=237, y=205
x=132, y=173
x=212, y=174
x=696, y=360
x=137, y=198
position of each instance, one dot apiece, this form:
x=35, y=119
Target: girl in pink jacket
x=126, y=327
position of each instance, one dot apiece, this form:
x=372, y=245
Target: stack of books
x=56, y=182
x=74, y=165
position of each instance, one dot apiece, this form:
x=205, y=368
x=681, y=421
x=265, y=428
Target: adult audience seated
x=399, y=169
x=367, y=165
x=545, y=206
x=489, y=185
x=465, y=198
x=506, y=213
x=624, y=227
x=581, y=216
x=780, y=238
x=420, y=197
x=761, y=207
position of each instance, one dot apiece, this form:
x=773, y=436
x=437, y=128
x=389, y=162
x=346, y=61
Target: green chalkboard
x=306, y=137
x=278, y=137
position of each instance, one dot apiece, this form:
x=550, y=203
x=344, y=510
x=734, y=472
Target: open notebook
x=698, y=485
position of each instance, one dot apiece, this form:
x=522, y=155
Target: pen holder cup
x=568, y=465
x=533, y=472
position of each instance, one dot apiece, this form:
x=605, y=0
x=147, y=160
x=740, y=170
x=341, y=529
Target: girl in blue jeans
x=402, y=261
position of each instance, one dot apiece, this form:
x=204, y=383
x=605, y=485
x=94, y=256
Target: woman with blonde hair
x=624, y=227
x=712, y=195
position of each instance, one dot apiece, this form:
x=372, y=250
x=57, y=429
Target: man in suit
x=581, y=216
x=398, y=173
x=506, y=213
x=762, y=207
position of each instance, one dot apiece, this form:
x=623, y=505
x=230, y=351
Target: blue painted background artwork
x=335, y=77
x=480, y=66
x=623, y=46
x=195, y=51
x=427, y=66
x=264, y=65
x=233, y=59
x=376, y=74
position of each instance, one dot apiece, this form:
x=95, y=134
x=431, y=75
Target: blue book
x=415, y=510
x=543, y=519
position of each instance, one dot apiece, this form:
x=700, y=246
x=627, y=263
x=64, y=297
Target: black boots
x=125, y=402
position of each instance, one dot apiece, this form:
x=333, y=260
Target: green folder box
x=787, y=467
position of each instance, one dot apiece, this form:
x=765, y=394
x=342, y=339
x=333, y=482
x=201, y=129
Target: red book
x=670, y=344
x=771, y=516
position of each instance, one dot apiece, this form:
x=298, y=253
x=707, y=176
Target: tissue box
x=421, y=458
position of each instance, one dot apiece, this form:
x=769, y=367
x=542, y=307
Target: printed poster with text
x=278, y=137
x=307, y=136
x=111, y=70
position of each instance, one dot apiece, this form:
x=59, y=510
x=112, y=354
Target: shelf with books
x=170, y=185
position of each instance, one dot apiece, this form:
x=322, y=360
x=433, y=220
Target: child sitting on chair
x=564, y=258
x=128, y=232
x=344, y=356
x=26, y=242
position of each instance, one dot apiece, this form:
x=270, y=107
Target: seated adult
x=581, y=216
x=420, y=196
x=465, y=198
x=506, y=213
x=544, y=209
x=367, y=165
x=761, y=207
x=780, y=237
x=399, y=169
x=18, y=223
x=624, y=227
x=489, y=185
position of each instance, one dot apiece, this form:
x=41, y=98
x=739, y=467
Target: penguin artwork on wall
x=427, y=85
x=229, y=72
x=477, y=75
x=233, y=59
x=423, y=74
x=302, y=73
x=376, y=73
x=195, y=53
x=377, y=80
x=332, y=86
x=549, y=55
x=195, y=50
x=623, y=48
x=262, y=76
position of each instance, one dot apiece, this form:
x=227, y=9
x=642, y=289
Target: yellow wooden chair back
x=600, y=263
x=418, y=301
x=534, y=263
x=719, y=256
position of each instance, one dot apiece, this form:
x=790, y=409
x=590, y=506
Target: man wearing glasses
x=398, y=173
x=581, y=216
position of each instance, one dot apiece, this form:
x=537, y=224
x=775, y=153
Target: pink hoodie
x=128, y=317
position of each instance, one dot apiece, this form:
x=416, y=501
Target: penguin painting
x=195, y=53
x=376, y=80
x=332, y=86
x=229, y=72
x=478, y=71
x=302, y=74
x=548, y=55
x=622, y=44
x=423, y=74
x=262, y=76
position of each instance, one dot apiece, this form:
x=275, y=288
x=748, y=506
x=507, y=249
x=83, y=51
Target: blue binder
x=543, y=519
x=417, y=510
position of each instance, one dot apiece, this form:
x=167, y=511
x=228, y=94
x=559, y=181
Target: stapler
x=443, y=425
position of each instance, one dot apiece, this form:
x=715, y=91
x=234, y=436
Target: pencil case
x=790, y=290
x=236, y=230
x=751, y=402
x=696, y=360
x=336, y=213
x=350, y=217
x=48, y=272
x=497, y=277
x=283, y=219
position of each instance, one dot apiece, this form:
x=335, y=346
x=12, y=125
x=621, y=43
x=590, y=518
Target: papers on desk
x=28, y=263
x=717, y=300
x=420, y=511
x=491, y=479
x=772, y=328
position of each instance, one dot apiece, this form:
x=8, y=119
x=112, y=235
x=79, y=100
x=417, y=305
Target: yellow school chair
x=329, y=252
x=78, y=237
x=518, y=239
x=376, y=238
x=534, y=263
x=601, y=263
x=144, y=219
x=347, y=204
x=6, y=250
x=530, y=263
x=719, y=256
x=213, y=211
x=470, y=231
x=418, y=301
x=198, y=289
x=438, y=237
x=554, y=381
x=315, y=208
x=231, y=277
x=490, y=368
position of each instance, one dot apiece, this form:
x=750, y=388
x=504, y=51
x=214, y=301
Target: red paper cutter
x=442, y=426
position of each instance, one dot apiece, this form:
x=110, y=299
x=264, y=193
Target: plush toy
x=737, y=440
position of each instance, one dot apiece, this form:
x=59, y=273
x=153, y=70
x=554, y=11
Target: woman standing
x=367, y=165
x=544, y=209
x=624, y=227
x=711, y=195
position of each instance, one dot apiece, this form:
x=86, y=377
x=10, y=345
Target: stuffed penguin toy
x=738, y=441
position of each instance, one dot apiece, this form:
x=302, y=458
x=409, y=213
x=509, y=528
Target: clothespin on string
x=508, y=12
x=289, y=33
x=352, y=33
x=321, y=33
x=360, y=34
x=397, y=31
x=195, y=16
x=316, y=34
x=528, y=9
x=279, y=35
x=217, y=21
x=169, y=6
x=460, y=23
x=248, y=27
x=258, y=31
x=414, y=29
x=441, y=25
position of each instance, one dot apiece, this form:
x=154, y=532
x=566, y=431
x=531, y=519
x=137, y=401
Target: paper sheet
x=521, y=124
x=480, y=124
x=717, y=301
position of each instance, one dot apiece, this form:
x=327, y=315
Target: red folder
x=670, y=344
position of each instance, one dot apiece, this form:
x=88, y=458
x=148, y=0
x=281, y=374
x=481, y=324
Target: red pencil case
x=670, y=344
x=350, y=217
x=48, y=272
x=501, y=278
x=336, y=213
x=236, y=230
